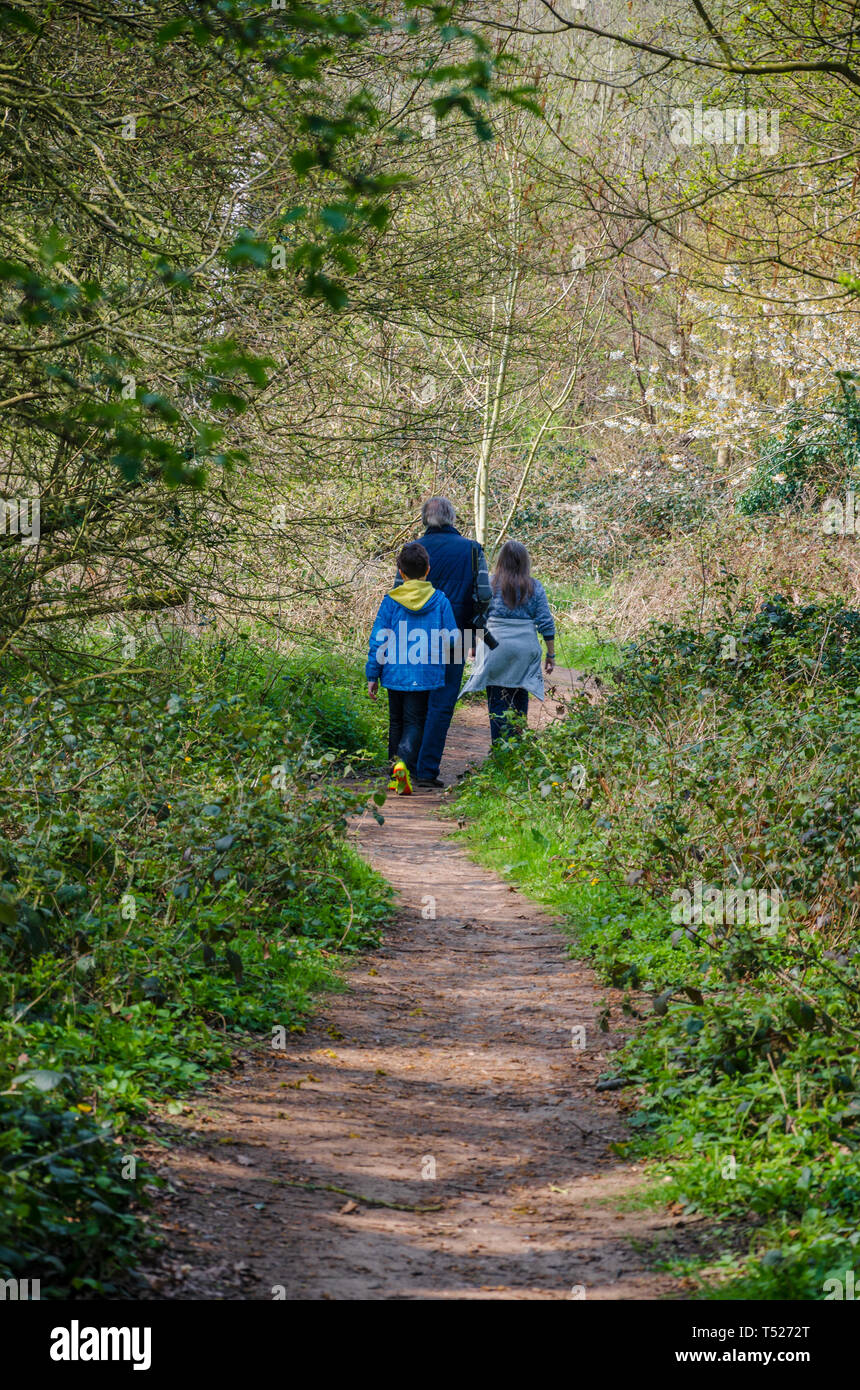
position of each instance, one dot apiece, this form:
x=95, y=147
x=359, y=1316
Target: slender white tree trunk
x=561, y=399
x=494, y=390
x=493, y=396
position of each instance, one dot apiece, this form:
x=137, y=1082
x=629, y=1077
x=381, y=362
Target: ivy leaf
x=247, y=249
x=171, y=30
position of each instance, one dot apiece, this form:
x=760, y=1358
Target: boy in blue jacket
x=412, y=641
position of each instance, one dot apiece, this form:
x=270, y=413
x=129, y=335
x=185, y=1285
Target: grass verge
x=716, y=771
x=174, y=875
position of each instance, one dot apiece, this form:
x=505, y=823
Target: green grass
x=577, y=646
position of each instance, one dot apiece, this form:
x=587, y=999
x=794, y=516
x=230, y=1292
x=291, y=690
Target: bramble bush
x=173, y=873
x=607, y=517
x=725, y=757
x=816, y=451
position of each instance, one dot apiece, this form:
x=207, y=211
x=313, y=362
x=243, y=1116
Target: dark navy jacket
x=451, y=568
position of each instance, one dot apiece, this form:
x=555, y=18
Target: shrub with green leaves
x=723, y=758
x=606, y=517
x=817, y=450
x=173, y=871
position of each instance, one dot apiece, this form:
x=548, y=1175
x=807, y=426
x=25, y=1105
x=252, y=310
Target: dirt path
x=444, y=1080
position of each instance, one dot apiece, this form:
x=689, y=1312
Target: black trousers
x=407, y=711
x=503, y=700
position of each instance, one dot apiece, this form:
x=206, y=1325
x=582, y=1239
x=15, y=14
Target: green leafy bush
x=173, y=870
x=727, y=763
x=816, y=451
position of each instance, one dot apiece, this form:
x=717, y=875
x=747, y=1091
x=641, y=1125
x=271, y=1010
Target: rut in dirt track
x=443, y=1082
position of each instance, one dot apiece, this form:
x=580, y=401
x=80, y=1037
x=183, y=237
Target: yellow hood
x=413, y=593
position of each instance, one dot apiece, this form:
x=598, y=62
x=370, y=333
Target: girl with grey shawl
x=517, y=613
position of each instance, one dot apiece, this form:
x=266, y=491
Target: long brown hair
x=512, y=579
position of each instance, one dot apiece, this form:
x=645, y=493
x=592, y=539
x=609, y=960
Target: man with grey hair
x=458, y=568
x=438, y=511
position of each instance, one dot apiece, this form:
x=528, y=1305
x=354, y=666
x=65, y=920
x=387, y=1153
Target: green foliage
x=577, y=646
x=173, y=870
x=605, y=518
x=144, y=268
x=315, y=687
x=730, y=766
x=816, y=450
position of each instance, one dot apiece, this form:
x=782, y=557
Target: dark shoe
x=429, y=782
